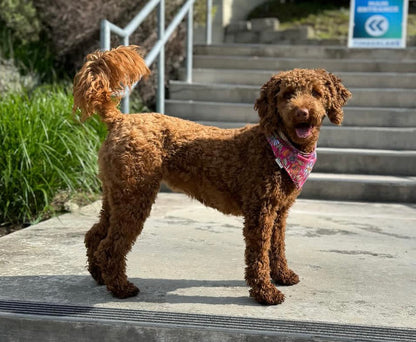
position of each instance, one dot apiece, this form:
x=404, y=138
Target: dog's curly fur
x=232, y=170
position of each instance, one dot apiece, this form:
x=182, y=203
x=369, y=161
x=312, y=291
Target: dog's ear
x=266, y=105
x=338, y=96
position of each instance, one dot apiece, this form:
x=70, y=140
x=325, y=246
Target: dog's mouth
x=304, y=130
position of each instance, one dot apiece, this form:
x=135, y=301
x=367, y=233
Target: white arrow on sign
x=376, y=25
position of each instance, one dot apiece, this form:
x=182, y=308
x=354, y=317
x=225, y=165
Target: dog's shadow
x=82, y=290
x=214, y=292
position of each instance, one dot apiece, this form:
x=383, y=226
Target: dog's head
x=296, y=102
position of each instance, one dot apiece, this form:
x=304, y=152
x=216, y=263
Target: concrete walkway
x=356, y=261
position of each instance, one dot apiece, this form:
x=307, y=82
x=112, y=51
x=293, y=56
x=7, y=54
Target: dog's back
x=208, y=163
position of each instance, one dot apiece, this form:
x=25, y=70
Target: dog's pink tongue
x=304, y=132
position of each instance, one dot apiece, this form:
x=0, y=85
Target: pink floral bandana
x=296, y=163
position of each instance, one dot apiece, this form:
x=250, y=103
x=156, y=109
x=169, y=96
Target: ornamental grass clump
x=44, y=151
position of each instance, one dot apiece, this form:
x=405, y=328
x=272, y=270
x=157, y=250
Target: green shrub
x=44, y=151
x=20, y=16
x=34, y=59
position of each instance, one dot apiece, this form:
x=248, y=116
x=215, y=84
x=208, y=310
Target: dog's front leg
x=279, y=270
x=258, y=227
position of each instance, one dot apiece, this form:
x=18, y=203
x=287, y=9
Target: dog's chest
x=281, y=186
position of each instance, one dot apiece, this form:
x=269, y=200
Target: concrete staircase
x=372, y=157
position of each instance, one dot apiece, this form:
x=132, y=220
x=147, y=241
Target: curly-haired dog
x=256, y=171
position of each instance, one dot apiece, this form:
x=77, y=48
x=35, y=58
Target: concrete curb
x=50, y=322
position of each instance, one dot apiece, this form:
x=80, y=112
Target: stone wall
x=11, y=80
x=226, y=12
x=264, y=30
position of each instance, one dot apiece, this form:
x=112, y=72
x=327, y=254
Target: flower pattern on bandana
x=297, y=164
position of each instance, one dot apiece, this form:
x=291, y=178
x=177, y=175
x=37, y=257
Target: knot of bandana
x=297, y=164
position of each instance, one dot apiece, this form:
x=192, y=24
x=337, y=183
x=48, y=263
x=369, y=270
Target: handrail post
x=158, y=51
x=209, y=23
x=105, y=34
x=160, y=95
x=189, y=44
x=125, y=101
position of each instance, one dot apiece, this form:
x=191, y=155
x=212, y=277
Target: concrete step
x=310, y=51
x=362, y=97
x=387, y=138
x=242, y=113
x=365, y=161
x=366, y=188
x=356, y=161
x=356, y=187
x=259, y=77
x=354, y=137
x=273, y=63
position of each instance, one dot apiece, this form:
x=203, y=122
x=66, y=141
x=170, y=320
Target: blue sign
x=378, y=24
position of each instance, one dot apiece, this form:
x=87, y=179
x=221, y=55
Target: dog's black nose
x=302, y=113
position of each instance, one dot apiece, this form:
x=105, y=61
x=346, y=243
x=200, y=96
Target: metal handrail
x=158, y=51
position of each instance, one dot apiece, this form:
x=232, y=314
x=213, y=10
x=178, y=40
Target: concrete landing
x=356, y=261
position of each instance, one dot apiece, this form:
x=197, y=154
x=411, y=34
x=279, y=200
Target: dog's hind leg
x=129, y=208
x=94, y=237
x=279, y=270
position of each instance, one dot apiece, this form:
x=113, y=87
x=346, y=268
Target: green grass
x=333, y=24
x=411, y=25
x=45, y=151
x=328, y=24
x=330, y=20
x=292, y=11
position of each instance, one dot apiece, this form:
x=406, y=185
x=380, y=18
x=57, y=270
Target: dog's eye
x=288, y=95
x=316, y=94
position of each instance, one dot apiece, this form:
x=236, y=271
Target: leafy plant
x=44, y=151
x=21, y=17
x=33, y=58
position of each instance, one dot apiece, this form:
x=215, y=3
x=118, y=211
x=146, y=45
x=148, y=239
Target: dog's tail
x=101, y=82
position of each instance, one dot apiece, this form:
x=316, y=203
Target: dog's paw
x=286, y=278
x=124, y=290
x=267, y=295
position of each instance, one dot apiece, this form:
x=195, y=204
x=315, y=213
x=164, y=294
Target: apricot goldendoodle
x=256, y=171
